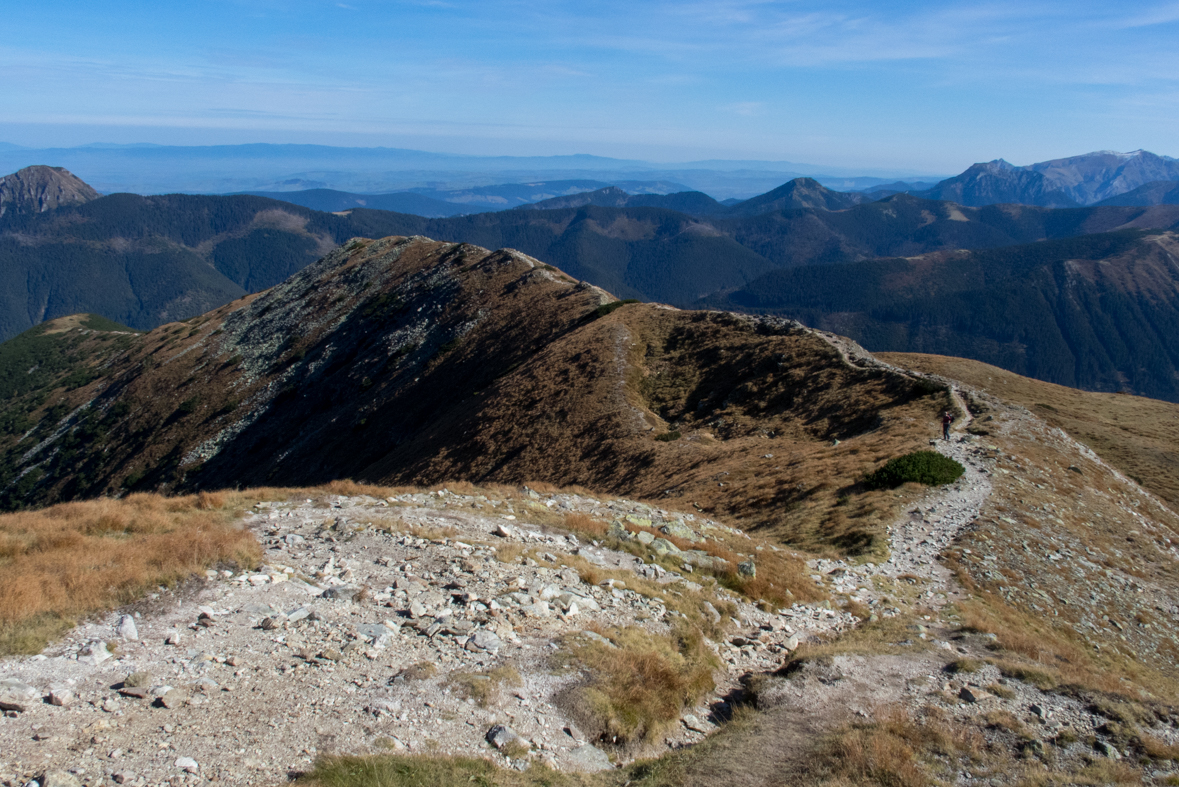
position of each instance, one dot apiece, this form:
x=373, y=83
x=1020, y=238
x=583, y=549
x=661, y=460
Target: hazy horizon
x=921, y=87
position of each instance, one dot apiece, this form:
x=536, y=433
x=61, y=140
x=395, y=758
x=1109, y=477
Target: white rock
x=187, y=764
x=127, y=629
x=60, y=696
x=94, y=653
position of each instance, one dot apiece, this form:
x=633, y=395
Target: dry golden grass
x=964, y=665
x=62, y=563
x=1139, y=436
x=1003, y=720
x=510, y=552
x=1050, y=657
x=635, y=691
x=1157, y=749
x=435, y=771
x=586, y=525
x=893, y=750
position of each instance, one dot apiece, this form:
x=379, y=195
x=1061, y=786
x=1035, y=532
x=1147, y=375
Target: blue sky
x=916, y=86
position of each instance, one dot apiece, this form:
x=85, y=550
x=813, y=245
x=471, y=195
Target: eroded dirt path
x=797, y=711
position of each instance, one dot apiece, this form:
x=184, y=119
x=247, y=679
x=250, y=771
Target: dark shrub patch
x=606, y=308
x=924, y=467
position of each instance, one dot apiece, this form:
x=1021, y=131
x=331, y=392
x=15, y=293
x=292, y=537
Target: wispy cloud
x=970, y=74
x=745, y=108
x=1165, y=14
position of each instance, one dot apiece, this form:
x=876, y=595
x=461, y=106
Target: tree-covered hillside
x=145, y=261
x=1099, y=312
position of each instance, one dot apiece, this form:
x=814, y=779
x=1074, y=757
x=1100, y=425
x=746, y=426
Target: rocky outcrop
x=39, y=189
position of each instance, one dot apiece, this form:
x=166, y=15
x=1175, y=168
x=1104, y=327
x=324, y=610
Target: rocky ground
x=428, y=621
x=358, y=634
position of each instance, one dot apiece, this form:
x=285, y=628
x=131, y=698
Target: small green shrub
x=668, y=437
x=189, y=405
x=924, y=467
x=606, y=308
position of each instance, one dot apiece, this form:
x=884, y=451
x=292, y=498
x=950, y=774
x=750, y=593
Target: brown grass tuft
x=1157, y=749
x=890, y=750
x=422, y=770
x=636, y=690
x=484, y=687
x=350, y=488
x=210, y=501
x=420, y=671
x=586, y=525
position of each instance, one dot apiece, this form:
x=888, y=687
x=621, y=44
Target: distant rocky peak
x=38, y=189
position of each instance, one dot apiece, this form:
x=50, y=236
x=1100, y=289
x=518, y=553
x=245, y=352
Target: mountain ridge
x=1082, y=180
x=1096, y=312
x=407, y=359
x=143, y=261
x=1038, y=576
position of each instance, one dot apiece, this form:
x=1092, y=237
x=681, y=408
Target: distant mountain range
x=1138, y=178
x=440, y=202
x=222, y=169
x=145, y=261
x=484, y=183
x=1060, y=183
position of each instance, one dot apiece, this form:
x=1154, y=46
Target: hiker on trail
x=947, y=419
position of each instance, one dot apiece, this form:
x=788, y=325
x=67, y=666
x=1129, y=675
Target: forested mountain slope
x=1099, y=311
x=143, y=261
